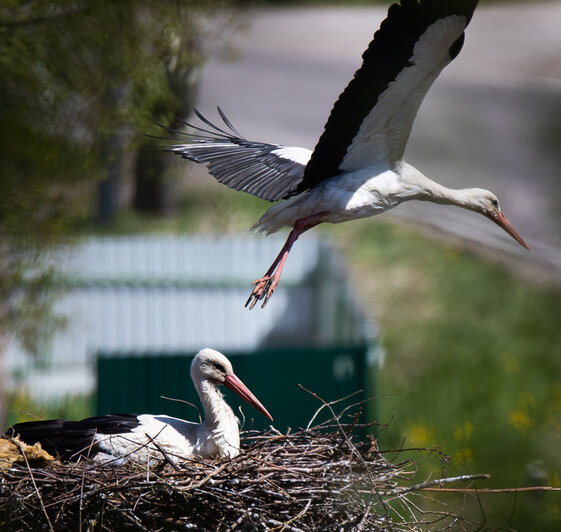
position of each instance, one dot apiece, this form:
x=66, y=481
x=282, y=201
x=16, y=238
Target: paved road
x=493, y=118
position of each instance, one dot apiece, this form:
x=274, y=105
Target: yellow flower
x=420, y=435
x=462, y=457
x=520, y=420
x=510, y=364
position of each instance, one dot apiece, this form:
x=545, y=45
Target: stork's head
x=487, y=203
x=213, y=367
x=210, y=365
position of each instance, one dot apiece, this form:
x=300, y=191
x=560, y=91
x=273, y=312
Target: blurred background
x=119, y=262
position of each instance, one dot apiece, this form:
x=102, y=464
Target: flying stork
x=146, y=438
x=357, y=168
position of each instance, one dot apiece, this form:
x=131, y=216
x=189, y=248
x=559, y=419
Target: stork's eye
x=495, y=203
x=219, y=367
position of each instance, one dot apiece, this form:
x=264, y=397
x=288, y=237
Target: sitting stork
x=357, y=168
x=146, y=438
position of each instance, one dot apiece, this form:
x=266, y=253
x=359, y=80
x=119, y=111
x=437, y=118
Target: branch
x=428, y=483
x=495, y=490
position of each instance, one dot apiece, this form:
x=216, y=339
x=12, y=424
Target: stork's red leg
x=265, y=286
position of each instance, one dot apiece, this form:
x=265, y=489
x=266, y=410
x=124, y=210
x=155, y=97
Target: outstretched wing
x=371, y=121
x=268, y=171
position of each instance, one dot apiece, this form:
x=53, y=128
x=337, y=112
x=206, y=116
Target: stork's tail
x=280, y=215
x=266, y=226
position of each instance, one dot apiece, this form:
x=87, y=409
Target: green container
x=136, y=384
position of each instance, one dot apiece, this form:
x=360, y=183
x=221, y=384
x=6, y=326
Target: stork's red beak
x=502, y=221
x=235, y=384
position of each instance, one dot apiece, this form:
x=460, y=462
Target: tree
x=80, y=84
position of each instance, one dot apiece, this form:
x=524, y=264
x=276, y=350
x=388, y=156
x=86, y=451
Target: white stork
x=146, y=438
x=357, y=168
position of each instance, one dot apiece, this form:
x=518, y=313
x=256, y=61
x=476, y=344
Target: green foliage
x=79, y=80
x=21, y=407
x=211, y=208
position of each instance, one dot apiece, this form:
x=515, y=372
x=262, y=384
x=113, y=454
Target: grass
x=473, y=364
x=473, y=353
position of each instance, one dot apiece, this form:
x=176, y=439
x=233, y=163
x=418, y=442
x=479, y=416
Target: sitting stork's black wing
x=71, y=439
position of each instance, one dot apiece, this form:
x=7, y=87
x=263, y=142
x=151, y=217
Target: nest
x=317, y=478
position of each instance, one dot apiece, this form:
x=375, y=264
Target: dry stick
x=275, y=467
x=82, y=489
x=186, y=403
x=202, y=482
x=270, y=521
x=239, y=520
x=35, y=486
x=495, y=490
x=140, y=446
x=406, y=504
x=325, y=404
x=360, y=526
x=164, y=454
x=359, y=405
x=287, y=524
x=440, y=516
x=133, y=519
x=428, y=483
x=242, y=424
x=81, y=500
x=353, y=449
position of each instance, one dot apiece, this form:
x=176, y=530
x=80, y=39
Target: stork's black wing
x=371, y=121
x=70, y=439
x=268, y=171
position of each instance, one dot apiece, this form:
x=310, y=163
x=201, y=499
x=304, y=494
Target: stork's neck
x=417, y=186
x=220, y=424
x=215, y=407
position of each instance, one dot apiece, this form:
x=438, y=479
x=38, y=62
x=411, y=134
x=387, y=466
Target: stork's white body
x=349, y=196
x=178, y=438
x=357, y=168
x=146, y=438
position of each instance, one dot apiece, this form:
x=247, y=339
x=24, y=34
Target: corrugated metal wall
x=171, y=294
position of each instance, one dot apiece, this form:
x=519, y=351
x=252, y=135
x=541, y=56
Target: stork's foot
x=265, y=286
x=262, y=291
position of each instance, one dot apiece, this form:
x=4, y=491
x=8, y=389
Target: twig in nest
x=164, y=454
x=186, y=403
x=325, y=404
x=35, y=487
